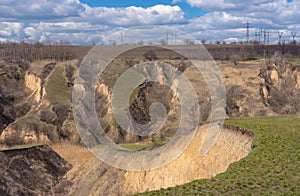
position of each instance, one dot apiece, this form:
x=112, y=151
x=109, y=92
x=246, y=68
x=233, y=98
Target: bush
x=47, y=116
x=233, y=94
x=279, y=88
x=61, y=112
x=70, y=70
x=30, y=125
x=234, y=58
x=150, y=55
x=69, y=131
x=13, y=140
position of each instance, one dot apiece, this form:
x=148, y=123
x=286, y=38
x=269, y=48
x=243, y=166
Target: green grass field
x=272, y=167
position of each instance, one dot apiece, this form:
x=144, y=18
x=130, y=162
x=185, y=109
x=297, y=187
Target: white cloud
x=3, y=40
x=40, y=20
x=10, y=28
x=28, y=10
x=275, y=13
x=228, y=18
x=74, y=10
x=73, y=21
x=217, y=5
x=64, y=31
x=158, y=14
x=212, y=4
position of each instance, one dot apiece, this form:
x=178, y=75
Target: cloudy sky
x=91, y=21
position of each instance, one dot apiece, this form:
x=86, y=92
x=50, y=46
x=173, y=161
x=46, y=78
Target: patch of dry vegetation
x=74, y=154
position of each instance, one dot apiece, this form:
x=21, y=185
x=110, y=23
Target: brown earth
x=93, y=177
x=35, y=107
x=34, y=110
x=33, y=171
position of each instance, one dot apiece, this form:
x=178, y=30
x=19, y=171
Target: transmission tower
x=167, y=37
x=175, y=38
x=279, y=37
x=122, y=39
x=247, y=32
x=258, y=34
x=294, y=35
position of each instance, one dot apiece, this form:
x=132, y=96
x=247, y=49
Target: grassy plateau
x=272, y=167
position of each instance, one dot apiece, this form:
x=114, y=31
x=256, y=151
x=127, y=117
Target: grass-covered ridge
x=272, y=168
x=133, y=147
x=19, y=147
x=57, y=91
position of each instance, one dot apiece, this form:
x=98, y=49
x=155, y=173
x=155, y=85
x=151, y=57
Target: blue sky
x=127, y=3
x=88, y=21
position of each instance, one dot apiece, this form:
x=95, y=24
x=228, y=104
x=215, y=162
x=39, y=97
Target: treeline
x=61, y=52
x=251, y=52
x=38, y=51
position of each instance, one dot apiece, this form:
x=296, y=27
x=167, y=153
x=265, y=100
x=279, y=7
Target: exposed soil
x=33, y=171
x=35, y=107
x=93, y=177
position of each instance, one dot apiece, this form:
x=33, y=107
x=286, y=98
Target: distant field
x=272, y=168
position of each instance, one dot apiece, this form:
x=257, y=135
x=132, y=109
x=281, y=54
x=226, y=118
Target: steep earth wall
x=232, y=145
x=93, y=177
x=33, y=171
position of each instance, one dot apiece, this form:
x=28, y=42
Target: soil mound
x=33, y=171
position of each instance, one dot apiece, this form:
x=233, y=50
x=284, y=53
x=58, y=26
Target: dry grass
x=74, y=154
x=83, y=162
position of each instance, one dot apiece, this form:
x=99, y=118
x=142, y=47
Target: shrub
x=150, y=55
x=279, y=88
x=70, y=70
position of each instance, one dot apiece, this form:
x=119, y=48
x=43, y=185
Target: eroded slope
x=33, y=171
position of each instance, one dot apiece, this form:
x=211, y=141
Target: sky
x=85, y=22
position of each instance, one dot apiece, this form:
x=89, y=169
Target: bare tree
x=189, y=42
x=279, y=90
x=150, y=55
x=234, y=58
x=141, y=42
x=163, y=42
x=70, y=70
x=218, y=42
